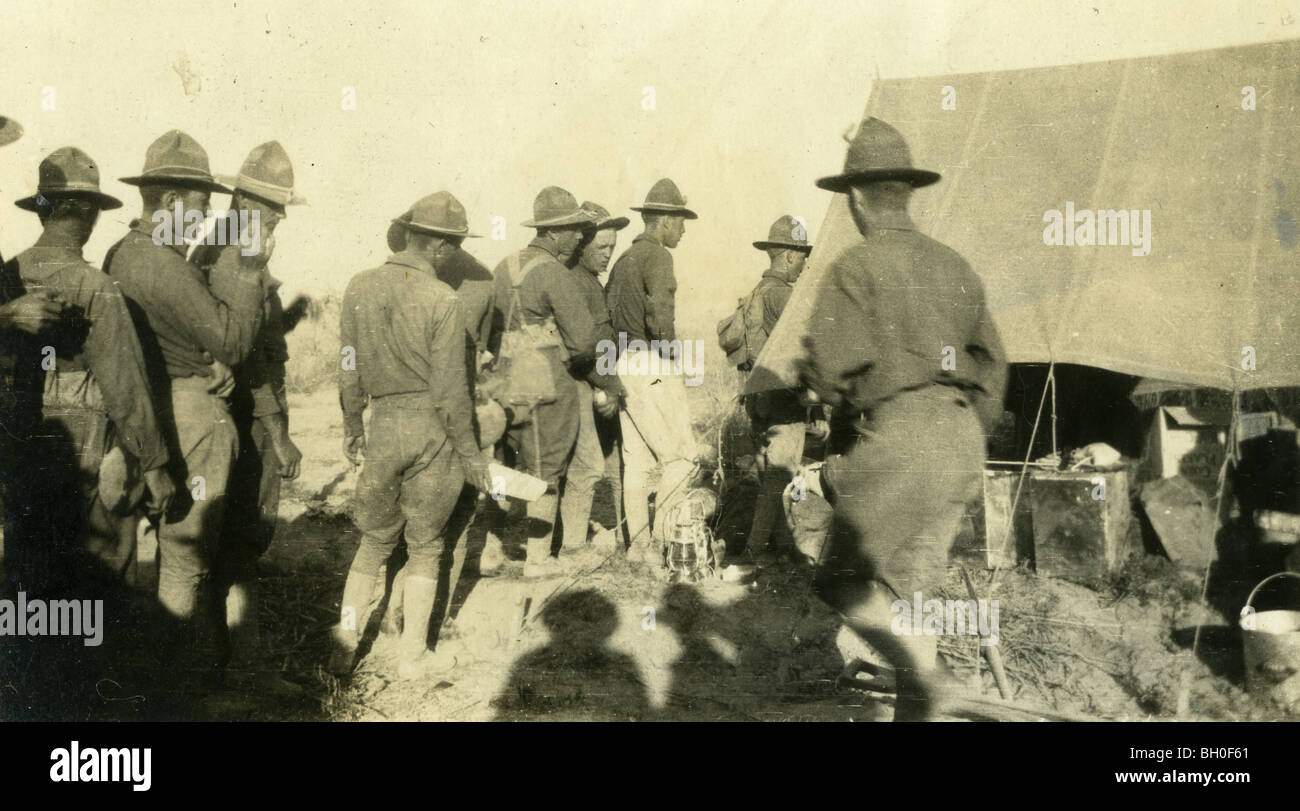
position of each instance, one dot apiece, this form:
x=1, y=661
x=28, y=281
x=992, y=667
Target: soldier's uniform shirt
x=103, y=344
x=552, y=291
x=884, y=312
x=408, y=334
x=907, y=440
x=642, y=291
x=771, y=295
x=594, y=297
x=185, y=320
x=476, y=291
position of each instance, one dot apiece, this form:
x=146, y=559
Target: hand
x=265, y=247
x=476, y=473
x=354, y=447
x=223, y=380
x=302, y=306
x=808, y=398
x=286, y=452
x=31, y=313
x=820, y=429
x=605, y=405
x=161, y=490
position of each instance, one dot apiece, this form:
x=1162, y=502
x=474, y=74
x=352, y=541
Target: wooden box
x=1081, y=522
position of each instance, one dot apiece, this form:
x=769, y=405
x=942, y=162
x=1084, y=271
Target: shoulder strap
x=517, y=276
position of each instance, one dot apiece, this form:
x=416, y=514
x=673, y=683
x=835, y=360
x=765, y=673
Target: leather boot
x=358, y=597
x=541, y=525
x=414, y=659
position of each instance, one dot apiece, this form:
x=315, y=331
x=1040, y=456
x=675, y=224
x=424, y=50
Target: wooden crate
x=1076, y=534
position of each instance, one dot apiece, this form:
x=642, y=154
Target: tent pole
x=1220, y=510
x=1051, y=380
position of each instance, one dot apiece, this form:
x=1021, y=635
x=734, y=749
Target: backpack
x=522, y=373
x=733, y=332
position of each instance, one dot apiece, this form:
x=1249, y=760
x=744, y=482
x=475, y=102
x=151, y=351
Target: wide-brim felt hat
x=786, y=232
x=267, y=173
x=176, y=158
x=666, y=198
x=10, y=130
x=878, y=152
x=440, y=214
x=68, y=172
x=603, y=219
x=556, y=208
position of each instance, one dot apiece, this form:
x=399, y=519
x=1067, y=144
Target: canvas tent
x=1169, y=135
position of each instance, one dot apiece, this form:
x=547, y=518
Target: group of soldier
x=153, y=388
x=166, y=393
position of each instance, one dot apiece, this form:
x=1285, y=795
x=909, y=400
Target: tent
x=1175, y=136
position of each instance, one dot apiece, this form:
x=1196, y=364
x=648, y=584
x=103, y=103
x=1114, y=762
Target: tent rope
x=1009, y=533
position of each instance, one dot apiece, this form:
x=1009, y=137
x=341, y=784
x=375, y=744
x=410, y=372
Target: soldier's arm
x=774, y=300
x=660, y=289
x=224, y=318
x=573, y=318
x=837, y=347
x=114, y=357
x=606, y=340
x=264, y=367
x=352, y=398
x=985, y=347
x=446, y=338
x=502, y=295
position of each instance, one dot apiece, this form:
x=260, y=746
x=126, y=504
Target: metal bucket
x=1271, y=647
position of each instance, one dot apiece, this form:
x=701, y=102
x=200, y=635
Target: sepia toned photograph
x=535, y=361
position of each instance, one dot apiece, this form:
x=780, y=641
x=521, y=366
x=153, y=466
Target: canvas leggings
x=656, y=423
x=408, y=487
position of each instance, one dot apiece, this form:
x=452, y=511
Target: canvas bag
x=522, y=374
x=733, y=334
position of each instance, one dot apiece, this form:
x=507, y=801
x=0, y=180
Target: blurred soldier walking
x=543, y=299
x=908, y=436
x=403, y=350
x=186, y=321
x=656, y=418
x=777, y=417
x=94, y=393
x=263, y=188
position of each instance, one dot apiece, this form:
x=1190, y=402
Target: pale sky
x=494, y=100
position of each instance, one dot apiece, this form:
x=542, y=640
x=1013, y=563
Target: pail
x=1271, y=647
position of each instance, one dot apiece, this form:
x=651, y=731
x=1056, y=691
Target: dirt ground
x=613, y=642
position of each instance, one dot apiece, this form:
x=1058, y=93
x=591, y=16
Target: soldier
x=476, y=291
x=263, y=189
x=95, y=391
x=907, y=436
x=596, y=404
x=403, y=339
x=540, y=290
x=777, y=417
x=656, y=418
x=185, y=322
